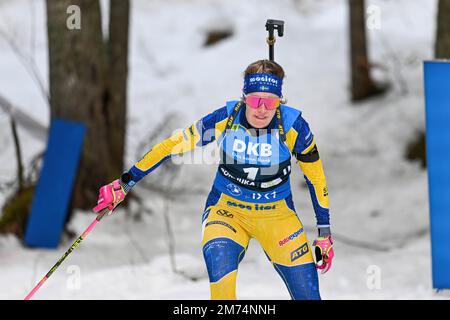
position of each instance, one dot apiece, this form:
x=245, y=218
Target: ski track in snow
x=379, y=202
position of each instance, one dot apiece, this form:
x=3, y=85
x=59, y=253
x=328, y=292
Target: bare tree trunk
x=118, y=72
x=416, y=149
x=442, y=46
x=362, y=84
x=20, y=174
x=88, y=84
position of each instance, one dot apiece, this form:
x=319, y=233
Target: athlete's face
x=261, y=117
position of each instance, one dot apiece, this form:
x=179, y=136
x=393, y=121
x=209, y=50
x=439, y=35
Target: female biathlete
x=251, y=194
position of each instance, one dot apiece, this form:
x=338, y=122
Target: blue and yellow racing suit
x=251, y=195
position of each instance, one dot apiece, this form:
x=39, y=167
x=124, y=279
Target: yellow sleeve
x=202, y=132
x=179, y=143
x=311, y=165
x=315, y=174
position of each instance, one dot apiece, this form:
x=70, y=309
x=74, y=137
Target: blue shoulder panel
x=208, y=123
x=305, y=136
x=289, y=116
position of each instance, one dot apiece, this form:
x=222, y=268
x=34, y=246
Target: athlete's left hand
x=323, y=249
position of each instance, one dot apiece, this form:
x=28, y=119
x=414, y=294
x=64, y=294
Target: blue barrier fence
x=54, y=189
x=437, y=107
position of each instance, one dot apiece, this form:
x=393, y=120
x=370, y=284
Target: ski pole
x=74, y=245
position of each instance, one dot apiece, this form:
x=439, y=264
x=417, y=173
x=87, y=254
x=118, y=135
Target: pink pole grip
x=105, y=199
x=109, y=196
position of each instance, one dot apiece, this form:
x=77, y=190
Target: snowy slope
x=379, y=202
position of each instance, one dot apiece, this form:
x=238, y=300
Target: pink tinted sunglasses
x=255, y=101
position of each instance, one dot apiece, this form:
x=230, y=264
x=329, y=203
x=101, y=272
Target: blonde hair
x=265, y=66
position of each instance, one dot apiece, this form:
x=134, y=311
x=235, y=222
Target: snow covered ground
x=379, y=202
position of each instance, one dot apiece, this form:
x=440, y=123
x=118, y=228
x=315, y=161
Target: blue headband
x=263, y=82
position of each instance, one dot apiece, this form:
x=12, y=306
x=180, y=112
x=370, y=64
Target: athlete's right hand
x=110, y=196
